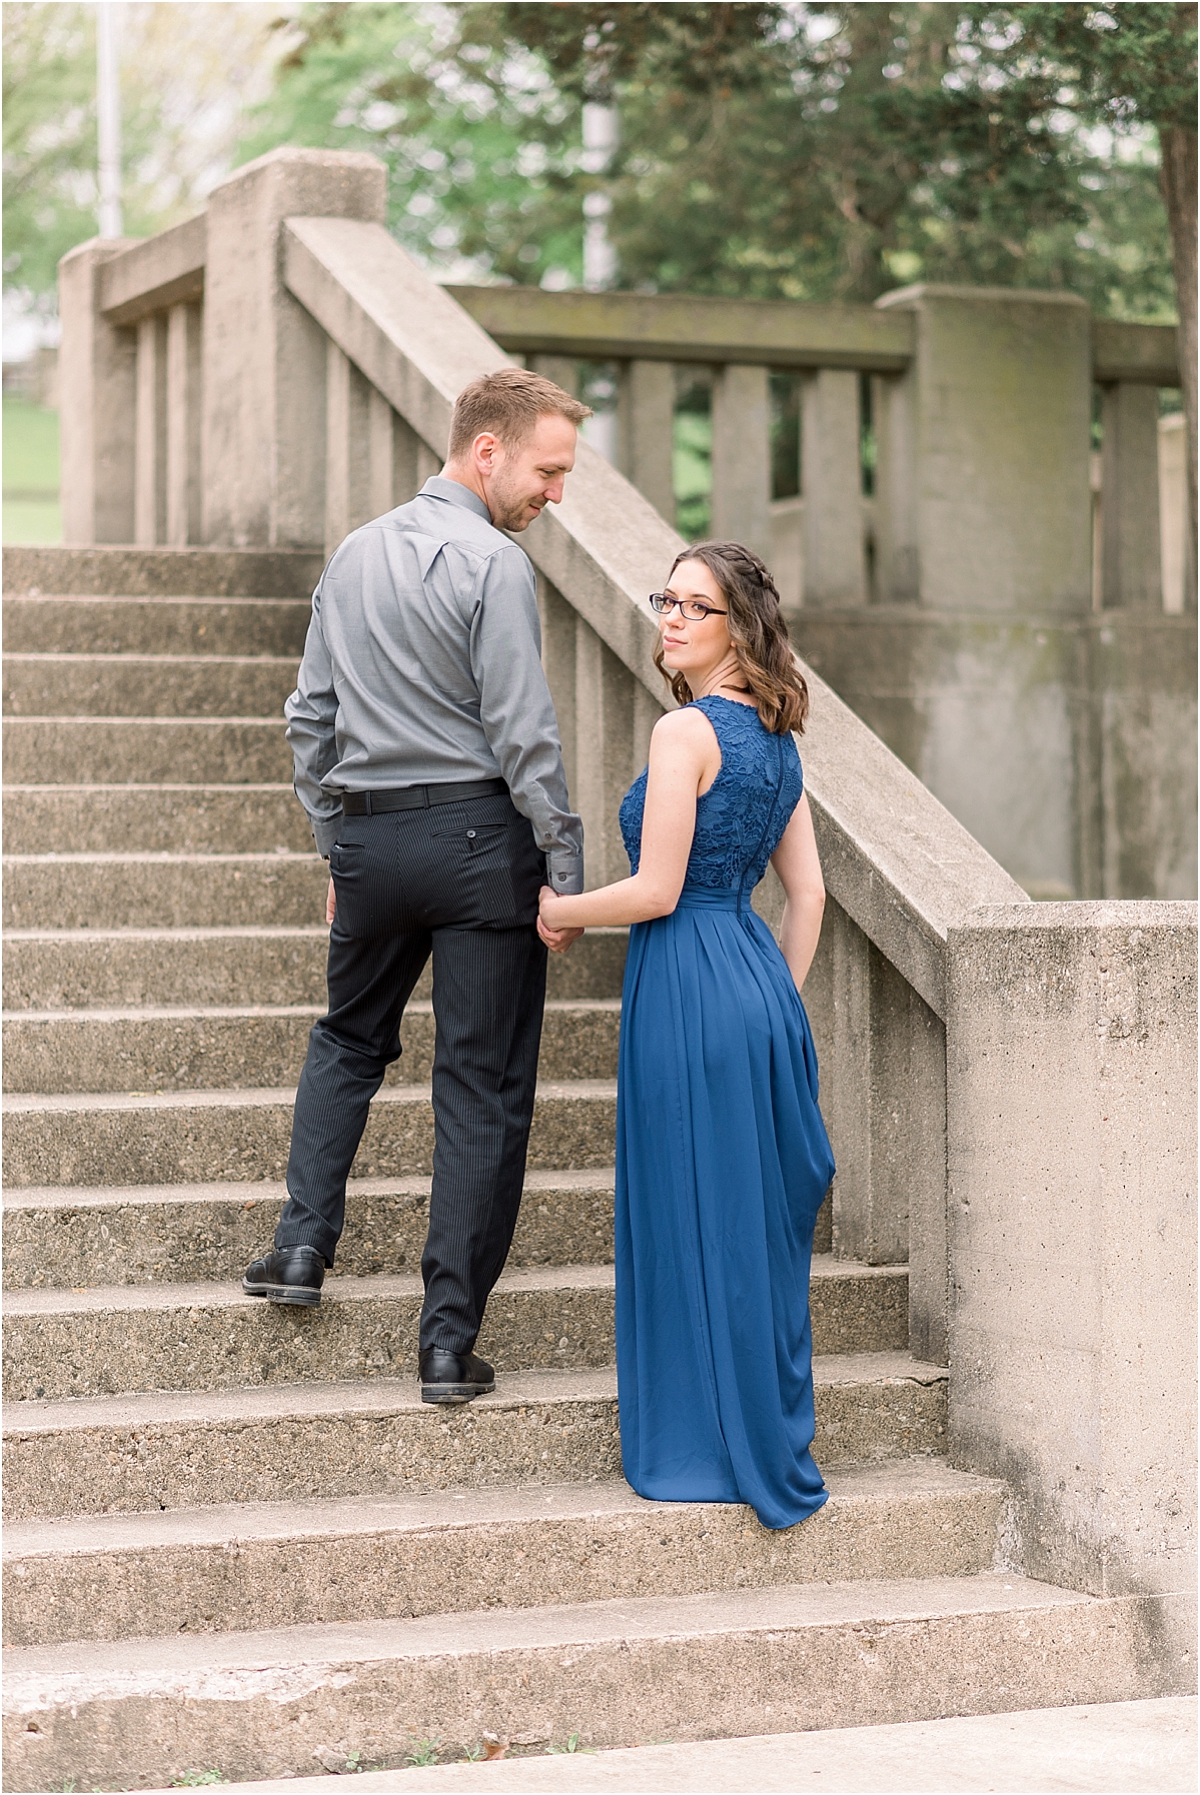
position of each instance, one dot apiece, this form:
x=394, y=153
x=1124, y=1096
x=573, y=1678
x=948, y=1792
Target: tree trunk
x=1179, y=178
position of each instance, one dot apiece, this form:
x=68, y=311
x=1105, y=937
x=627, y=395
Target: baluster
x=831, y=475
x=897, y=563
x=741, y=457
x=604, y=739
x=150, y=469
x=1130, y=554
x=646, y=431
x=558, y=659
x=348, y=447
x=561, y=369
x=97, y=370
x=184, y=402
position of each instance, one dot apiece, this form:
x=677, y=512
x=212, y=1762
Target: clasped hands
x=557, y=940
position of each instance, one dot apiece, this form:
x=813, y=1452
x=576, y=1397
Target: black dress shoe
x=287, y=1275
x=453, y=1376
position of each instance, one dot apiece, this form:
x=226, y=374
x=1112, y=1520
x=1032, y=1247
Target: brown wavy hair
x=758, y=633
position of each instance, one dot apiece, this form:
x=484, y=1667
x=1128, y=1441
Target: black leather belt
x=419, y=797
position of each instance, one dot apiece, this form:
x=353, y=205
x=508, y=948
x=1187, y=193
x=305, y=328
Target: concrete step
x=239, y=626
x=233, y=1569
x=199, y=1137
x=145, y=891
x=120, y=571
x=112, y=1339
x=147, y=750
x=193, y=1233
x=300, y=1442
x=93, y=968
x=614, y=1672
x=147, y=685
x=156, y=819
x=215, y=1048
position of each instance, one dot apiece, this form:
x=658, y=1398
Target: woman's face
x=694, y=646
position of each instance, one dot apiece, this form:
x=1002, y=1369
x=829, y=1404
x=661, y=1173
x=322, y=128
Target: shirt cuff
x=565, y=872
x=326, y=830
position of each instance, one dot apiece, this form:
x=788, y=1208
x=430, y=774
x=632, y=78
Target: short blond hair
x=508, y=403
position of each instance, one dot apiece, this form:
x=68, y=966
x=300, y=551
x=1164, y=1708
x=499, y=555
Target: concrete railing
x=317, y=376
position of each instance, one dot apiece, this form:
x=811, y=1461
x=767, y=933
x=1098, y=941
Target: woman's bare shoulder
x=686, y=727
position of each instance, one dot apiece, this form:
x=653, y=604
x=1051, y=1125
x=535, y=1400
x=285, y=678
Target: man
x=428, y=759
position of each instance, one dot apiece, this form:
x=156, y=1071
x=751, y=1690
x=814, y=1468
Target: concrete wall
x=1071, y=1077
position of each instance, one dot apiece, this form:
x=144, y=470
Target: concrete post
x=184, y=406
x=741, y=458
x=1000, y=431
x=831, y=481
x=98, y=383
x=1071, y=1079
x=1130, y=551
x=150, y=453
x=347, y=448
x=264, y=355
x=646, y=432
x=560, y=369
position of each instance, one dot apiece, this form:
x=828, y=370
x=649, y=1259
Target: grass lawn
x=31, y=506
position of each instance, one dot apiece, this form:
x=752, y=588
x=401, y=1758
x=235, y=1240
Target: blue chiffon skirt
x=722, y=1164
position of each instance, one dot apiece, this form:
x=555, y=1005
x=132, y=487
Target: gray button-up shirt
x=423, y=666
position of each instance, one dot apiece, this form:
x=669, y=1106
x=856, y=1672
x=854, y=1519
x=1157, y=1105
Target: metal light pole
x=108, y=118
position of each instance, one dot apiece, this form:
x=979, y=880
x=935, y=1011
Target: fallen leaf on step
x=494, y=1747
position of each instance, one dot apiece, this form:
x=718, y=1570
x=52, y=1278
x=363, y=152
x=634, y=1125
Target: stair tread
x=49, y=1300
x=16, y=1103
x=91, y=1671
x=120, y=658
x=391, y=1395
x=108, y=1196
x=421, y=1006
x=159, y=857
x=330, y=1517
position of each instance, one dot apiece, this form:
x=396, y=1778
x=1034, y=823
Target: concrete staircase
x=236, y=1540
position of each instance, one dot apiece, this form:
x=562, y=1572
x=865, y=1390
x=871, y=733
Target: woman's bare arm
x=799, y=868
x=684, y=757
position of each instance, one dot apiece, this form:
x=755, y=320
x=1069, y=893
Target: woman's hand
x=559, y=939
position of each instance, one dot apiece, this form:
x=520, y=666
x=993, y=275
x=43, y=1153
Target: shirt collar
x=440, y=488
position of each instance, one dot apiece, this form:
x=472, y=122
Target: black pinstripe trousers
x=460, y=882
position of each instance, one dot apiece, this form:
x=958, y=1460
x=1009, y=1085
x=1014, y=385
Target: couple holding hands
x=427, y=756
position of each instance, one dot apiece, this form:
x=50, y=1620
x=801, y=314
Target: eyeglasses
x=691, y=608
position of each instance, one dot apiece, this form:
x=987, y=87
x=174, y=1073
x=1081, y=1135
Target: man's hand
x=557, y=940
x=330, y=902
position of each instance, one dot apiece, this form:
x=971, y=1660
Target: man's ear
x=486, y=448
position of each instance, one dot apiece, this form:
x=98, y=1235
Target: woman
x=722, y=1157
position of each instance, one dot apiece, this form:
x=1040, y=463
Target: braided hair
x=757, y=631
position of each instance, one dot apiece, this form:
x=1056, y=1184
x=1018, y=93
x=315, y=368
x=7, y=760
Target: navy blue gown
x=722, y=1162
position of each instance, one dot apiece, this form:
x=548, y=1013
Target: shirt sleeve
x=311, y=714
x=517, y=712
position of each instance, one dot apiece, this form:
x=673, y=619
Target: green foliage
x=423, y=1753
x=49, y=83
x=572, y=1744
x=197, y=1779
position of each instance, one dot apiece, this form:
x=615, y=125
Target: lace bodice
x=741, y=818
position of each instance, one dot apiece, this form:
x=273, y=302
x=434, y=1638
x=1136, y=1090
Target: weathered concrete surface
x=133, y=751
x=1110, y=1748
x=182, y=572
x=124, y=891
x=1072, y=1105
x=154, y=819
x=999, y=512
x=224, y=1049
x=94, y=968
x=233, y=1569
x=1066, y=745
x=298, y=1442
x=109, y=1339
x=692, y=1665
x=155, y=685
x=68, y=1238
x=195, y=1137
x=160, y=626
